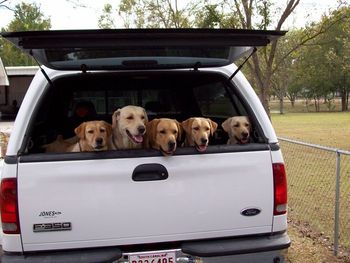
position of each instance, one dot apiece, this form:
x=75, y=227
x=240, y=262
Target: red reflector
x=280, y=189
x=8, y=201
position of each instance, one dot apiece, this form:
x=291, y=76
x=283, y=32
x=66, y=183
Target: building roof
x=4, y=81
x=22, y=71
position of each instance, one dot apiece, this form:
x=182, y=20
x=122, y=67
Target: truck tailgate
x=88, y=203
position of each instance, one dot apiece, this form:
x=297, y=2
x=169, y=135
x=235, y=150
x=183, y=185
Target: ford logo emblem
x=250, y=211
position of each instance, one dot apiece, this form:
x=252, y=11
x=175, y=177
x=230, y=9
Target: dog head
x=163, y=135
x=238, y=129
x=130, y=121
x=198, y=131
x=94, y=135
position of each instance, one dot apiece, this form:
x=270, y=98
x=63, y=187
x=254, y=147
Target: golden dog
x=198, y=130
x=163, y=134
x=91, y=136
x=129, y=127
x=60, y=145
x=238, y=129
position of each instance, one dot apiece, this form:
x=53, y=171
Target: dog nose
x=245, y=134
x=204, y=140
x=171, y=145
x=141, y=129
x=99, y=140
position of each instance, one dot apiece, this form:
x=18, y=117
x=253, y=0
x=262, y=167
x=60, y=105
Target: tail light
x=280, y=189
x=9, y=208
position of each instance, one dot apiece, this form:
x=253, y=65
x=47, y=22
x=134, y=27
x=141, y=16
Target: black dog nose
x=141, y=129
x=245, y=134
x=203, y=140
x=171, y=145
x=99, y=140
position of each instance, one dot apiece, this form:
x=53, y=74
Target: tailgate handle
x=149, y=172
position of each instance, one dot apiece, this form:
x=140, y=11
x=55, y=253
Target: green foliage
x=26, y=17
x=154, y=14
x=322, y=66
x=106, y=20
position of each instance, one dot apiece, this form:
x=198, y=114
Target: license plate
x=153, y=257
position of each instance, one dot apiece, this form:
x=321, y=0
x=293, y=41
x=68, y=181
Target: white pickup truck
x=228, y=204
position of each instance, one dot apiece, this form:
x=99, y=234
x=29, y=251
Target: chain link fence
x=319, y=190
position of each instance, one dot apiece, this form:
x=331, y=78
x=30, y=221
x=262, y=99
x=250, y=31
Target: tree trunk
x=264, y=98
x=281, y=106
x=317, y=104
x=344, y=100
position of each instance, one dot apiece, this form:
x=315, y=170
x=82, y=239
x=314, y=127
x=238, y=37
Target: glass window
x=214, y=101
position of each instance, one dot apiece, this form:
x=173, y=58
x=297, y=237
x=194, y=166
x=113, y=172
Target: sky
x=67, y=14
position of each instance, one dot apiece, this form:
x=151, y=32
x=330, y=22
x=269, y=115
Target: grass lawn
x=328, y=129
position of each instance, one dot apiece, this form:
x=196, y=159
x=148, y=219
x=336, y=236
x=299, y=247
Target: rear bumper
x=109, y=254
x=248, y=249
x=235, y=246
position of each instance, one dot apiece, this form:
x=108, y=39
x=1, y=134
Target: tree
x=106, y=20
x=337, y=54
x=263, y=65
x=321, y=66
x=26, y=17
x=155, y=14
x=283, y=76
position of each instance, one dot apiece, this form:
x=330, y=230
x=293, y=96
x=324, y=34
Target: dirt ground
x=309, y=247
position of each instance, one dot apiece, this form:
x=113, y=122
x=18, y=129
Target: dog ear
x=108, y=128
x=146, y=117
x=187, y=125
x=80, y=130
x=116, y=116
x=213, y=126
x=250, y=124
x=226, y=125
x=180, y=130
x=151, y=131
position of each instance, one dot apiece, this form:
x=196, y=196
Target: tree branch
x=292, y=4
x=2, y=4
x=241, y=17
x=307, y=39
x=248, y=12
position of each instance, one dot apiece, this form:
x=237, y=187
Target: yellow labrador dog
x=129, y=127
x=198, y=130
x=238, y=129
x=91, y=136
x=163, y=134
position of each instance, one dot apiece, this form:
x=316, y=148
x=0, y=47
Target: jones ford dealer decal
x=49, y=214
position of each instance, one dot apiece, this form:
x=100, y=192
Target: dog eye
x=207, y=128
x=247, y=124
x=130, y=118
x=174, y=131
x=162, y=131
x=102, y=130
x=90, y=131
x=236, y=125
x=196, y=128
x=142, y=117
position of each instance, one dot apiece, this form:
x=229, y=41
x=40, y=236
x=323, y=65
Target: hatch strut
x=240, y=66
x=42, y=70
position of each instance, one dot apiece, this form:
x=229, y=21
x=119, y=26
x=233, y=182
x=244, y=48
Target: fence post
x=337, y=203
